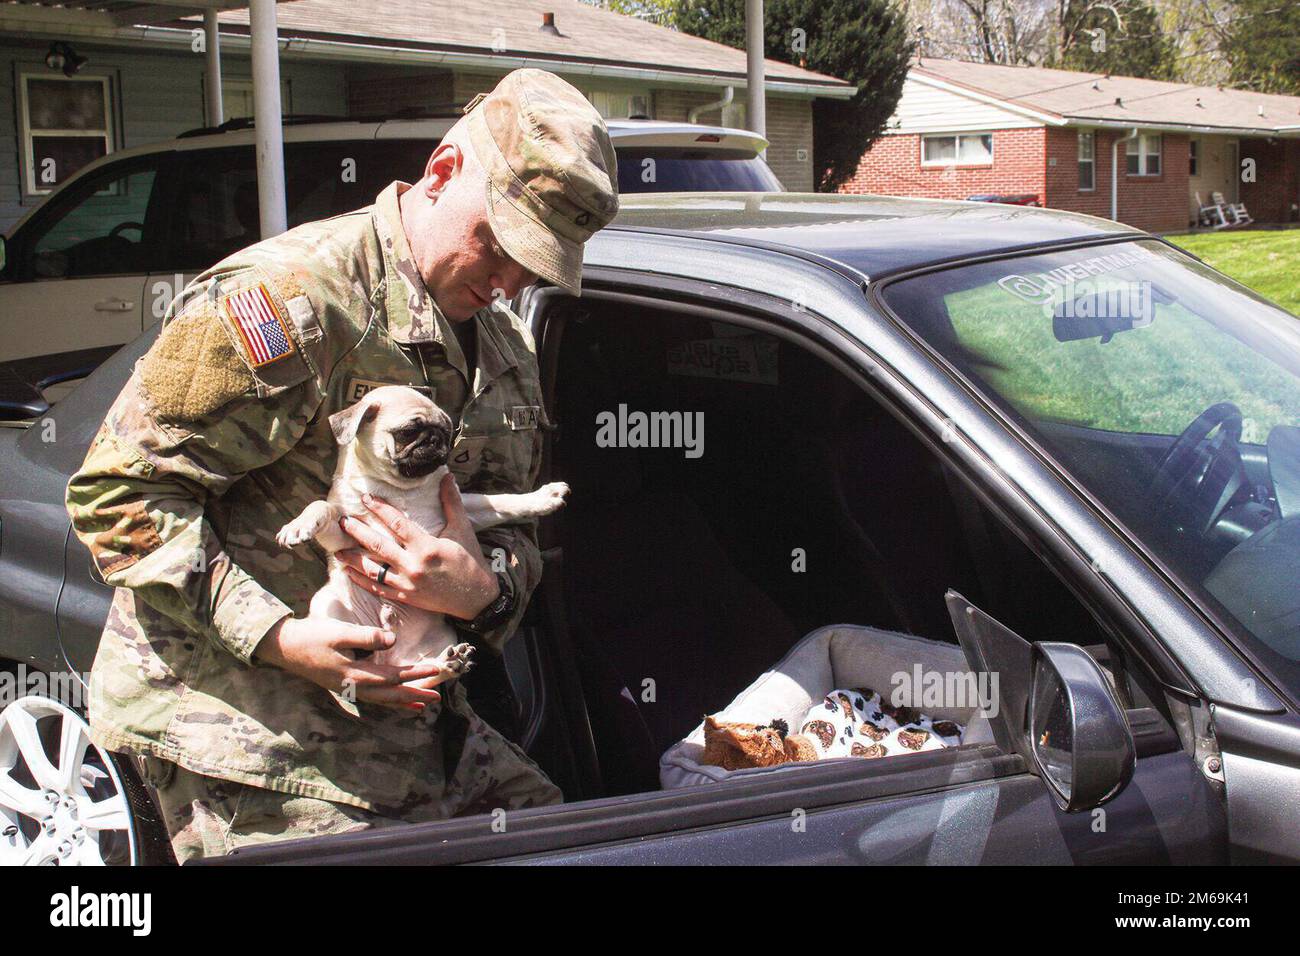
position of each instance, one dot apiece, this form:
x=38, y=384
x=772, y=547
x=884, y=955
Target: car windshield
x=1169, y=392
x=662, y=170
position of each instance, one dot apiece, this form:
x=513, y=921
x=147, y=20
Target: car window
x=642, y=170
x=215, y=210
x=391, y=159
x=106, y=224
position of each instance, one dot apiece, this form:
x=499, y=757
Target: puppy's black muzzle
x=426, y=454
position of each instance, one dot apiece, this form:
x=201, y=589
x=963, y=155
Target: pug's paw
x=304, y=527
x=456, y=661
x=550, y=497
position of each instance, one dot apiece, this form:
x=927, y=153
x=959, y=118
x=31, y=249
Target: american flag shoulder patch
x=259, y=323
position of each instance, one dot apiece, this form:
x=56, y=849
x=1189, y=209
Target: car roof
x=319, y=129
x=874, y=235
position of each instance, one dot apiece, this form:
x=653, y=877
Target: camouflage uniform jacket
x=208, y=451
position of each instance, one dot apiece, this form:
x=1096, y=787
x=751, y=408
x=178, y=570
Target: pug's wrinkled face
x=396, y=434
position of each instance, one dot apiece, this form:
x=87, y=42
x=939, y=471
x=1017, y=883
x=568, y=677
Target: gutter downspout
x=727, y=96
x=1114, y=171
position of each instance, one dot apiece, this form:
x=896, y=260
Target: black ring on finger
x=383, y=573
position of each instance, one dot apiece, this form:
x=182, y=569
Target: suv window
x=215, y=205
x=663, y=170
x=641, y=169
x=108, y=224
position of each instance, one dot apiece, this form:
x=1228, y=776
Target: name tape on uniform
x=358, y=388
x=525, y=416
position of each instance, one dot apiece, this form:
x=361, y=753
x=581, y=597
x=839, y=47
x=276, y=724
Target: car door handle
x=114, y=305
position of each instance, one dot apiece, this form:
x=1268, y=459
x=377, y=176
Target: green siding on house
x=9, y=147
x=157, y=94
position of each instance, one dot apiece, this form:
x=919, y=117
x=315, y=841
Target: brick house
x=143, y=79
x=965, y=129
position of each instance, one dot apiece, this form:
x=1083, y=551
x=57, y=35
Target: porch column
x=1114, y=167
x=757, y=104
x=212, y=41
x=269, y=135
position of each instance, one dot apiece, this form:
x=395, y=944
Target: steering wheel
x=1197, y=478
x=121, y=227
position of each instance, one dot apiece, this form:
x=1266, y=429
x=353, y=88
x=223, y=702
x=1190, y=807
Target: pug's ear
x=345, y=424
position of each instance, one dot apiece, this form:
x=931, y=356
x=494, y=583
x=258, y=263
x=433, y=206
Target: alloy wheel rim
x=62, y=802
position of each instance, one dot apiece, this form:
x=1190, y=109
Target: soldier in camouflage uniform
x=206, y=668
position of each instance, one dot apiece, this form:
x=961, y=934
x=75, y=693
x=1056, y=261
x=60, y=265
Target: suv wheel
x=63, y=800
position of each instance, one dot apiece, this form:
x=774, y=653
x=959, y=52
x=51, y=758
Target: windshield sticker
x=1043, y=288
x=735, y=359
x=1084, y=300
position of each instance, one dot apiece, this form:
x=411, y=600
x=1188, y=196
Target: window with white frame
x=1087, y=161
x=237, y=97
x=66, y=122
x=1193, y=156
x=615, y=104
x=959, y=149
x=1143, y=154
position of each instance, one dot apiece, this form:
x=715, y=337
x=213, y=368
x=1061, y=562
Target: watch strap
x=498, y=610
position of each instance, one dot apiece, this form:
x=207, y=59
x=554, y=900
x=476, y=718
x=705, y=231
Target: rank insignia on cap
x=261, y=328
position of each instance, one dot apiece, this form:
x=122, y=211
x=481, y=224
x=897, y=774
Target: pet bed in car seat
x=840, y=655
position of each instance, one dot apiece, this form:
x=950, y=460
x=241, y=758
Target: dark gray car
x=1058, y=442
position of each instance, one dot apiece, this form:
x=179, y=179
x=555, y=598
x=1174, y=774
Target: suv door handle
x=114, y=305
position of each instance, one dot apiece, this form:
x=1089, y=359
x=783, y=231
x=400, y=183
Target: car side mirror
x=1078, y=733
x=3, y=258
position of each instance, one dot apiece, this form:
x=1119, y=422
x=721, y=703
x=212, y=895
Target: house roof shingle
x=1080, y=97
x=510, y=28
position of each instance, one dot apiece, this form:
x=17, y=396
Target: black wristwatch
x=496, y=613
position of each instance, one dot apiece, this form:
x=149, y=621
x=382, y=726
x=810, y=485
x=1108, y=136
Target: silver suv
x=100, y=260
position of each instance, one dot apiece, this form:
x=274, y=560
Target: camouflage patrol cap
x=552, y=179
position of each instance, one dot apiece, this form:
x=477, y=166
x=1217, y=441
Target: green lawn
x=1265, y=260
x=1154, y=379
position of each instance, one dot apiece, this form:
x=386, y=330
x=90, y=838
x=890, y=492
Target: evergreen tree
x=865, y=42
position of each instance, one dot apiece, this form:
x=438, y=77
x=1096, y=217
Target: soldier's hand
x=320, y=650
x=445, y=573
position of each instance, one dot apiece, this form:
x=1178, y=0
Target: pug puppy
x=395, y=442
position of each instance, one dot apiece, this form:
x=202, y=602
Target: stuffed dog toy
x=394, y=444
x=846, y=723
